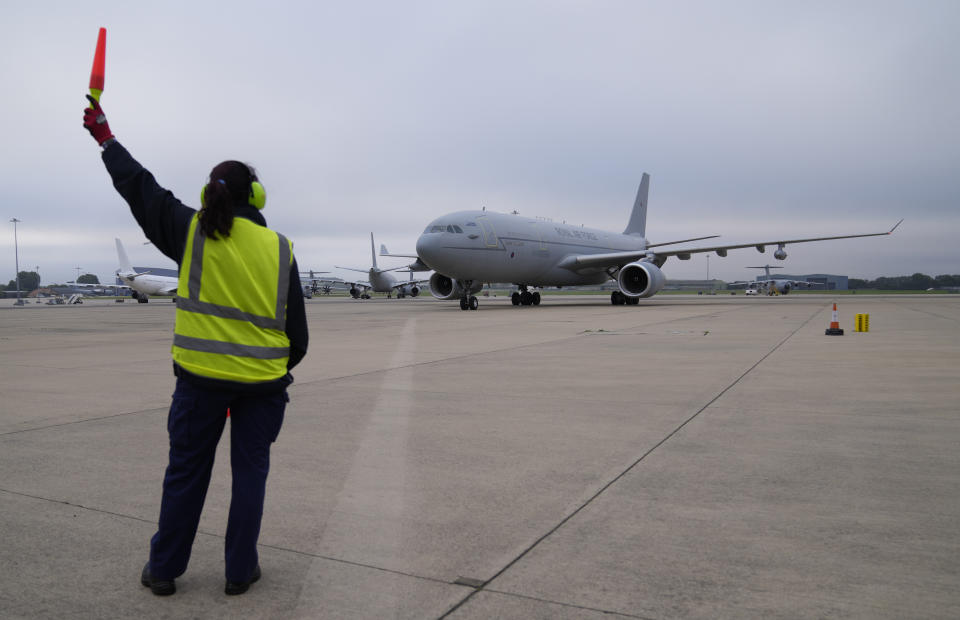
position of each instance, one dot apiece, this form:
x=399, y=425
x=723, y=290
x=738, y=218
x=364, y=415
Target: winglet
x=895, y=227
x=638, y=218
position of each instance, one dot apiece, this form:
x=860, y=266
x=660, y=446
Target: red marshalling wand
x=99, y=60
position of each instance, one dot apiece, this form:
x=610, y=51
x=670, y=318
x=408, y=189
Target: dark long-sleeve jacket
x=166, y=221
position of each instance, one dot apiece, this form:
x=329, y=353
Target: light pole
x=16, y=258
x=38, y=283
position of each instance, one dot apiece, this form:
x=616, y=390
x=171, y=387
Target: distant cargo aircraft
x=772, y=285
x=470, y=248
x=144, y=283
x=380, y=280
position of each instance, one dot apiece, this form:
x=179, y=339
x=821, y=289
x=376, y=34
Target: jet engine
x=414, y=290
x=780, y=254
x=640, y=279
x=444, y=287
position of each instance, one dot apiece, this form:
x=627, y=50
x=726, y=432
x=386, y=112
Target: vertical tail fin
x=373, y=252
x=638, y=219
x=125, y=266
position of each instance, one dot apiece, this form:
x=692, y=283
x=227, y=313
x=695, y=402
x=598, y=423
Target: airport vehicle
x=469, y=248
x=144, y=283
x=774, y=286
x=380, y=280
x=750, y=291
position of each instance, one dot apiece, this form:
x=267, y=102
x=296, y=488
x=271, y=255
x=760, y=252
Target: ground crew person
x=240, y=327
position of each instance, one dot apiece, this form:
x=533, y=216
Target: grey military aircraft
x=470, y=248
x=380, y=280
x=772, y=285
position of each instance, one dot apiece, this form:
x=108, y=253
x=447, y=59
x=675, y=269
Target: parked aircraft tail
x=638, y=219
x=125, y=266
x=373, y=252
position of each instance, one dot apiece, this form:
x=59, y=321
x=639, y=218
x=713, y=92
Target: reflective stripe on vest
x=234, y=333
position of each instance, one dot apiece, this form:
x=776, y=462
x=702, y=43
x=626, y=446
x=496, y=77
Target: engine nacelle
x=640, y=279
x=414, y=290
x=444, y=287
x=780, y=254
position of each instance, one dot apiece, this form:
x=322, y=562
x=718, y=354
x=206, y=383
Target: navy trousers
x=195, y=423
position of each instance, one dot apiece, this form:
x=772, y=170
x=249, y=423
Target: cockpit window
x=457, y=229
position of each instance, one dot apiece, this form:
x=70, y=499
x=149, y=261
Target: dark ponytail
x=229, y=185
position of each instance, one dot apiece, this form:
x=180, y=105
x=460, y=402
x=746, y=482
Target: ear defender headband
x=258, y=195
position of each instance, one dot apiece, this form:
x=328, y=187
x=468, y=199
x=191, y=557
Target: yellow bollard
x=861, y=323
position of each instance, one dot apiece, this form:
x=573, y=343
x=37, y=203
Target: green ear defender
x=258, y=195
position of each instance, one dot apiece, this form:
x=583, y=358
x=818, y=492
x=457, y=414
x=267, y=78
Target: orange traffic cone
x=834, y=329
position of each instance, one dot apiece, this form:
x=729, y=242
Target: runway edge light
x=98, y=72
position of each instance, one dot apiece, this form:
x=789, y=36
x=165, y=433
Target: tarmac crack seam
x=622, y=474
x=85, y=420
x=201, y=532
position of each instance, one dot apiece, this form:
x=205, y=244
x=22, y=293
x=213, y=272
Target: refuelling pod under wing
x=444, y=287
x=640, y=279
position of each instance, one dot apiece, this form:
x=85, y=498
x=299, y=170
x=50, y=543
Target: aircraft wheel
x=634, y=301
x=526, y=298
x=464, y=303
x=474, y=303
x=535, y=299
x=142, y=300
x=515, y=298
x=616, y=298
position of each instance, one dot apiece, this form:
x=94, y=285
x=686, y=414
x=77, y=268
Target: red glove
x=96, y=122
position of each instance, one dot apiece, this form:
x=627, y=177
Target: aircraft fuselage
x=499, y=247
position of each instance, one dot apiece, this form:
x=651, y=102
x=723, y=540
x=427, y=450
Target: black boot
x=234, y=587
x=160, y=587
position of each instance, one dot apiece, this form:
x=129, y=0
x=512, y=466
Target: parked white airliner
x=144, y=283
x=470, y=248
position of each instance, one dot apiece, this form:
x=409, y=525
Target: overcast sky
x=755, y=120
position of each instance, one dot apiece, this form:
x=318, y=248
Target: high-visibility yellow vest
x=232, y=304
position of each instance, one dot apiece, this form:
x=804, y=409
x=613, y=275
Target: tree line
x=916, y=282
x=30, y=280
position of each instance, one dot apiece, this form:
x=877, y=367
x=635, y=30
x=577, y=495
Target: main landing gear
x=523, y=297
x=619, y=299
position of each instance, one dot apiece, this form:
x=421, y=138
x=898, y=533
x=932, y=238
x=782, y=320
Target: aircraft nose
x=427, y=249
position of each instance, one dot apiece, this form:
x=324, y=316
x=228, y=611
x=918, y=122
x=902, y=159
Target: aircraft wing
x=416, y=265
x=400, y=285
x=357, y=284
x=576, y=262
x=353, y=269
